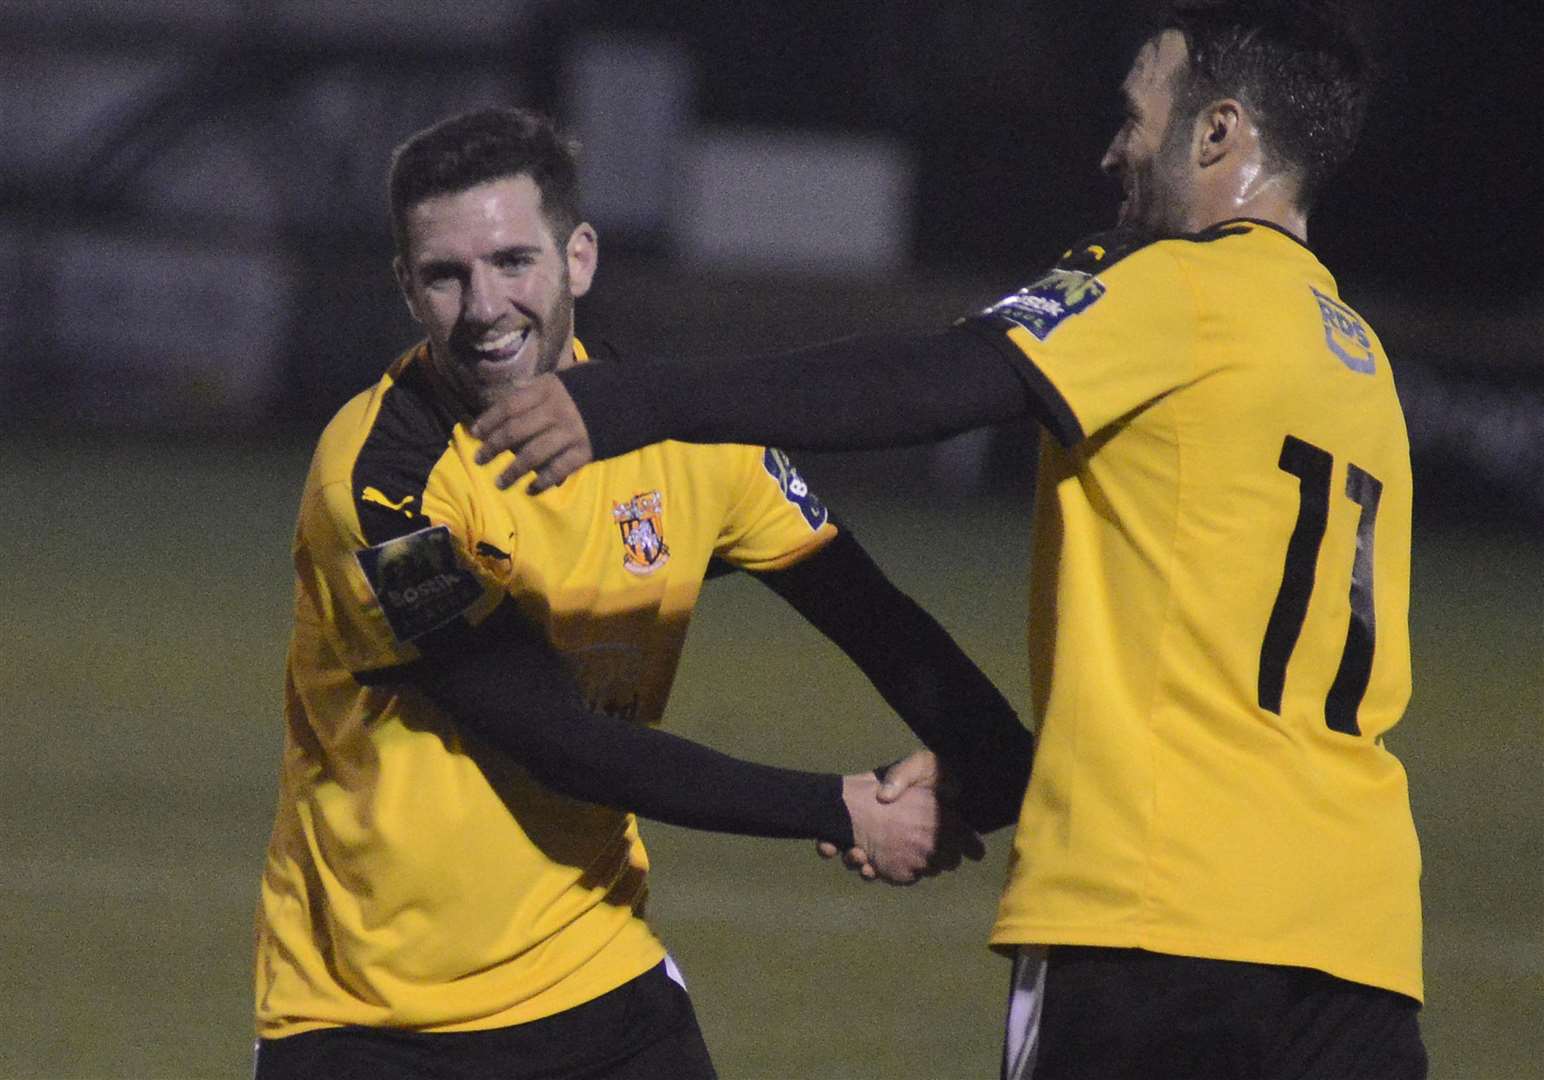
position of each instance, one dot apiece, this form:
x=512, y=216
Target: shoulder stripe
x=1243, y=227
x=1096, y=253
x=409, y=435
x=1100, y=251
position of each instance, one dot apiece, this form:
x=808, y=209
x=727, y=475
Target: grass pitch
x=146, y=609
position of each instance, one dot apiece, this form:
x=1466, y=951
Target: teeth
x=501, y=343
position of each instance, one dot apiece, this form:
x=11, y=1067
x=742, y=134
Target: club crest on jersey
x=418, y=581
x=1043, y=306
x=1345, y=334
x=795, y=490
x=643, y=536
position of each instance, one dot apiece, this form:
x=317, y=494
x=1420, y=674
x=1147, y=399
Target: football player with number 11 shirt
x=1216, y=872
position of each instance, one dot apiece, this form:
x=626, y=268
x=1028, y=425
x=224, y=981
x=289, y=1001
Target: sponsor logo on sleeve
x=418, y=581
x=795, y=490
x=641, y=520
x=1043, y=306
x=1345, y=334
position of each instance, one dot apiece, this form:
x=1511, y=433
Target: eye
x=439, y=277
x=515, y=262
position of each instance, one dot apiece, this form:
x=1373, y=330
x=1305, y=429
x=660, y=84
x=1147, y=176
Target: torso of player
x=416, y=879
x=1218, y=631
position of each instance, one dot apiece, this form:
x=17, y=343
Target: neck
x=1253, y=192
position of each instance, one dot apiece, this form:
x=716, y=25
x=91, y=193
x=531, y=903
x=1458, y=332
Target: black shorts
x=643, y=1030
x=1127, y=1014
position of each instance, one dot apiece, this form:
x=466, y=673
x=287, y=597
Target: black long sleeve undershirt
x=859, y=393
x=506, y=683
x=920, y=672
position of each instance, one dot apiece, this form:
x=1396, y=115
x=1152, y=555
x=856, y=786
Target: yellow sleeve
x=1104, y=334
x=381, y=590
x=776, y=519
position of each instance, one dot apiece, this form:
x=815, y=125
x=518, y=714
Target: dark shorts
x=643, y=1030
x=1127, y=1014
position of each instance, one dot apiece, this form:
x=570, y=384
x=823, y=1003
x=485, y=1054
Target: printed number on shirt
x=1314, y=469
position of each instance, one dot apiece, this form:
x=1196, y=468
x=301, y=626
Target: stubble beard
x=554, y=329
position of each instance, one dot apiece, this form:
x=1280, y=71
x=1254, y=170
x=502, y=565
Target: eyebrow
x=453, y=266
x=516, y=249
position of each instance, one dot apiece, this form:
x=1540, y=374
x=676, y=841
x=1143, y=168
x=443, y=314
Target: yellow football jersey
x=1218, y=614
x=414, y=878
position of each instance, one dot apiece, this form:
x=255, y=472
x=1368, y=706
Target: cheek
x=439, y=313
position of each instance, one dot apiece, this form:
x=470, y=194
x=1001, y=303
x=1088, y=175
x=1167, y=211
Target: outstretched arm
x=855, y=394
x=920, y=672
x=505, y=683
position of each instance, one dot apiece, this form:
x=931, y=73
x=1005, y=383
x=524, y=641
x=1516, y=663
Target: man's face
x=1152, y=162
x=492, y=286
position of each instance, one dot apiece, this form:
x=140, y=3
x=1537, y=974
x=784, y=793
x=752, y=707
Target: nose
x=1110, y=164
x=480, y=303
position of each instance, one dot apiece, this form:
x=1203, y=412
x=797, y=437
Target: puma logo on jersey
x=486, y=549
x=373, y=495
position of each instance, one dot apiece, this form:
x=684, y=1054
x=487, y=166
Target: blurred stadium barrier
x=192, y=233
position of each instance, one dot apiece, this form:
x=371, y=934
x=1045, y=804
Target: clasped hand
x=903, y=830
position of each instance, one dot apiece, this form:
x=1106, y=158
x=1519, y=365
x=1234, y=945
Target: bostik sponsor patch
x=1043, y=306
x=418, y=581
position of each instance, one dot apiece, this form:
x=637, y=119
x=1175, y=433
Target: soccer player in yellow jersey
x=1215, y=872
x=455, y=882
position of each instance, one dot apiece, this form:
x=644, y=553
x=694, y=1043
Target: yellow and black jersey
x=413, y=880
x=1218, y=612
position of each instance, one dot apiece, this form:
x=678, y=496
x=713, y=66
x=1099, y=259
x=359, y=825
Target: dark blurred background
x=192, y=231
x=195, y=273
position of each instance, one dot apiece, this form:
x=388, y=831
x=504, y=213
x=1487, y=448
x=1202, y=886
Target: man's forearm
x=920, y=672
x=506, y=685
x=856, y=394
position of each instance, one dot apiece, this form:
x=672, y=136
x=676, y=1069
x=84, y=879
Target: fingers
x=911, y=836
x=560, y=468
x=918, y=769
x=957, y=841
x=550, y=455
x=508, y=422
x=855, y=859
x=539, y=423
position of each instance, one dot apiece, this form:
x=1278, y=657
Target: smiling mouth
x=500, y=350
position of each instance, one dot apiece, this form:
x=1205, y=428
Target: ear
x=583, y=253
x=1219, y=130
x=405, y=284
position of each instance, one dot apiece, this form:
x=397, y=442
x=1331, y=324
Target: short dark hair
x=1300, y=67
x=473, y=148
